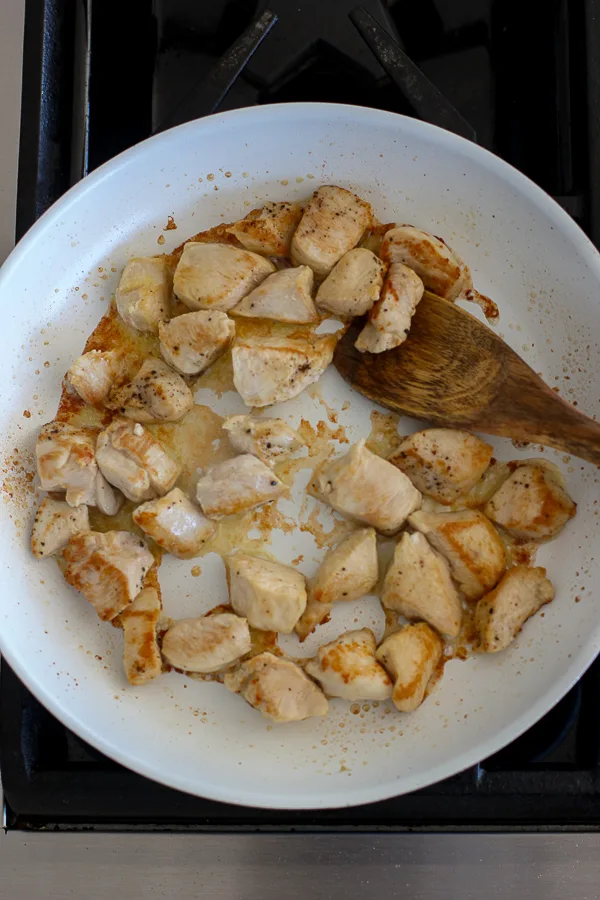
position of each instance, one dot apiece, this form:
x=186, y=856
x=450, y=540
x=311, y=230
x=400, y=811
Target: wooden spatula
x=454, y=371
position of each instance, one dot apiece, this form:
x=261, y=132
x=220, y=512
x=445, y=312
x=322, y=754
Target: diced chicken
x=108, y=500
x=278, y=688
x=268, y=230
x=285, y=296
x=366, y=488
x=66, y=461
x=471, y=545
x=532, y=503
x=271, y=440
x=92, y=375
x=134, y=461
x=144, y=292
x=500, y=615
x=411, y=656
x=332, y=224
x=353, y=285
x=156, y=394
x=141, y=653
x=273, y=369
x=418, y=586
x=390, y=318
x=270, y=595
x=348, y=572
x=443, y=463
x=108, y=568
x=217, y=276
x=440, y=269
x=347, y=668
x=207, y=644
x=55, y=524
x=237, y=484
x=175, y=523
x=194, y=341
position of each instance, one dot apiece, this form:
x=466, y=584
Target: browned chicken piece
x=206, y=644
x=347, y=668
x=532, y=503
x=271, y=440
x=332, y=224
x=353, y=285
x=390, y=319
x=156, y=394
x=141, y=654
x=471, y=545
x=500, y=615
x=92, y=375
x=285, y=296
x=237, y=484
x=108, y=568
x=440, y=269
x=366, y=488
x=270, y=595
x=55, y=524
x=411, y=657
x=175, y=523
x=194, y=341
x=217, y=276
x=268, y=230
x=134, y=461
x=443, y=463
x=144, y=293
x=278, y=688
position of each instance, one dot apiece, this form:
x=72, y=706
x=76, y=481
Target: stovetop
x=519, y=78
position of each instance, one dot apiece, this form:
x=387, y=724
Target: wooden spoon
x=456, y=372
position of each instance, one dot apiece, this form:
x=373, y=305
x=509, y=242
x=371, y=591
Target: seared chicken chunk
x=207, y=644
x=55, y=524
x=418, y=586
x=108, y=568
x=271, y=596
x=353, y=285
x=273, y=369
x=134, y=461
x=347, y=668
x=175, y=523
x=532, y=503
x=471, y=545
x=278, y=688
x=440, y=269
x=194, y=341
x=285, y=296
x=500, y=615
x=443, y=463
x=271, y=440
x=156, y=394
x=143, y=294
x=411, y=656
x=390, y=318
x=366, y=488
x=348, y=572
x=92, y=375
x=268, y=230
x=217, y=276
x=333, y=223
x=237, y=484
x=141, y=654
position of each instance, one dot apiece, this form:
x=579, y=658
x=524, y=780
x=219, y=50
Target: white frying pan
x=523, y=250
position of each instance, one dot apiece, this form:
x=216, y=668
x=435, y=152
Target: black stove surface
x=520, y=78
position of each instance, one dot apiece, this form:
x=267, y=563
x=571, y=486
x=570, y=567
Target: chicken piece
x=500, y=615
x=175, y=523
x=217, y=276
x=333, y=223
x=285, y=296
x=141, y=653
x=347, y=668
x=443, y=463
x=270, y=370
x=156, y=394
x=418, y=586
x=390, y=318
x=353, y=285
x=532, y=503
x=411, y=656
x=55, y=524
x=92, y=375
x=278, y=688
x=365, y=488
x=237, y=484
x=144, y=292
x=134, y=461
x=271, y=596
x=66, y=461
x=268, y=230
x=440, y=269
x=471, y=545
x=108, y=568
x=194, y=341
x=207, y=644
x=271, y=440
x=348, y=572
